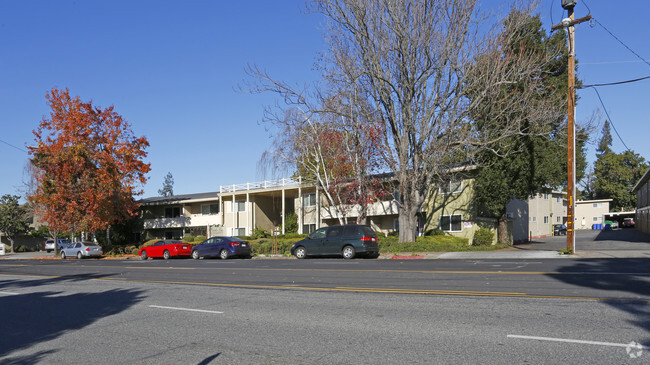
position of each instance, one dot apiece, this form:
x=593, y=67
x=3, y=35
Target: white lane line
x=186, y=309
x=8, y=293
x=577, y=341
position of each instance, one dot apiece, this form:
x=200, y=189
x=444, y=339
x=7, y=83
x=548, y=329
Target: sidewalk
x=474, y=255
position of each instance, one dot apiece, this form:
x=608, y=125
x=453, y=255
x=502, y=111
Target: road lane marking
x=8, y=293
x=369, y=290
x=186, y=309
x=469, y=272
x=566, y=340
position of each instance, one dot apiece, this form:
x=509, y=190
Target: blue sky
x=171, y=69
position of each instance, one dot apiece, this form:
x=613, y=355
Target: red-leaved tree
x=89, y=166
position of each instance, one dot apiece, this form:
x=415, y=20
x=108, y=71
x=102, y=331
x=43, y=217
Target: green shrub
x=135, y=251
x=264, y=246
x=393, y=234
x=149, y=243
x=292, y=236
x=434, y=232
x=200, y=238
x=189, y=238
x=259, y=232
x=483, y=237
x=291, y=223
x=21, y=248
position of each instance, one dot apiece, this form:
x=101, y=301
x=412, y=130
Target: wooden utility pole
x=569, y=23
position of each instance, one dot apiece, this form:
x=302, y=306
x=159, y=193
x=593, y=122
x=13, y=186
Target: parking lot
x=626, y=239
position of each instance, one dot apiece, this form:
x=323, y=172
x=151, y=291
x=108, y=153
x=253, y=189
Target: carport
x=618, y=216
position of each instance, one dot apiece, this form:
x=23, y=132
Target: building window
x=596, y=219
x=558, y=219
x=597, y=205
x=534, y=219
x=309, y=200
x=239, y=231
x=545, y=219
x=451, y=223
x=209, y=209
x=172, y=212
x=545, y=196
x=239, y=206
x=451, y=187
x=396, y=225
x=308, y=228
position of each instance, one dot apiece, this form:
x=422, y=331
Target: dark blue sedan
x=223, y=247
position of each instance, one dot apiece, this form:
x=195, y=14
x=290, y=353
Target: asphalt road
x=324, y=311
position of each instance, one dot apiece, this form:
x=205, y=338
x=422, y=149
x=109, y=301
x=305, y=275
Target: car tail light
x=368, y=239
x=87, y=248
x=235, y=243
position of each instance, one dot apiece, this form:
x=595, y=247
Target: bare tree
x=423, y=69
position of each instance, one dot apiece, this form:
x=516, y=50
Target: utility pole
x=569, y=23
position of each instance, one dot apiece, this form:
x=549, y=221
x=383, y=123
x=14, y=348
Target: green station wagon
x=347, y=241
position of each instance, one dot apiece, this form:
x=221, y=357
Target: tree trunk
x=108, y=237
x=11, y=243
x=502, y=230
x=407, y=223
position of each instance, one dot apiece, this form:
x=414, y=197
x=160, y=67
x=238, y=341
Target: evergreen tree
x=12, y=218
x=168, y=186
x=605, y=143
x=615, y=174
x=538, y=162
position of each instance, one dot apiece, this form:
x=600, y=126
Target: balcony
x=195, y=220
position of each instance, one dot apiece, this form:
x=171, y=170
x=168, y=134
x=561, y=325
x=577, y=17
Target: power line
x=609, y=118
x=10, y=145
x=621, y=42
x=616, y=83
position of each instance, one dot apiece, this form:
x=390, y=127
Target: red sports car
x=166, y=249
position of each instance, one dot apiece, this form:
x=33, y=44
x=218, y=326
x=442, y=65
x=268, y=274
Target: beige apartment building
x=535, y=217
x=238, y=209
x=590, y=212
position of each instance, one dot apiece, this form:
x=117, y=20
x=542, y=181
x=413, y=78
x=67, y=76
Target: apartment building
x=535, y=217
x=235, y=210
x=642, y=191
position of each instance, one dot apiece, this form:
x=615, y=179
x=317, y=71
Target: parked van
x=347, y=241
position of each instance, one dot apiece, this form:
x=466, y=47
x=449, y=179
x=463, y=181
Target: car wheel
x=195, y=255
x=223, y=254
x=48, y=251
x=348, y=252
x=79, y=255
x=301, y=253
x=63, y=255
x=143, y=255
x=167, y=255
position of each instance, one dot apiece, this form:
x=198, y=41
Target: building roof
x=593, y=201
x=642, y=182
x=186, y=198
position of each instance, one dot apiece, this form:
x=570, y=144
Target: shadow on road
x=623, y=235
x=615, y=276
x=29, y=319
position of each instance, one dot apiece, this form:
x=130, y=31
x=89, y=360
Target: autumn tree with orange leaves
x=88, y=166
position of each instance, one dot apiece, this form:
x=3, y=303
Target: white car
x=48, y=245
x=81, y=250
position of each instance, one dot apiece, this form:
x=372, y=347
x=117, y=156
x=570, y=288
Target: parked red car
x=628, y=223
x=166, y=249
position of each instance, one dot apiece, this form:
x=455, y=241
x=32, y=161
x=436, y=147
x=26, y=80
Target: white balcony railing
x=267, y=184
x=195, y=220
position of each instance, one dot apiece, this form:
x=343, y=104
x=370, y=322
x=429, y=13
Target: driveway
x=593, y=240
